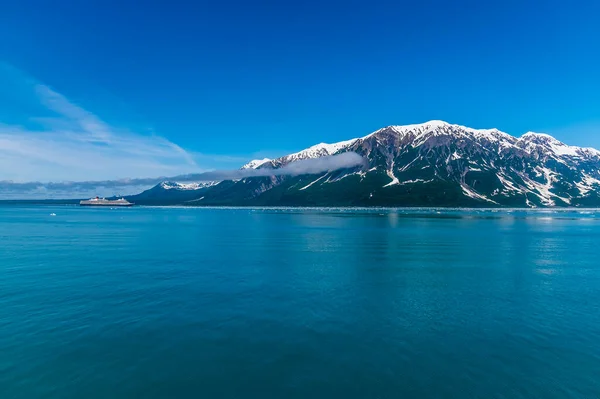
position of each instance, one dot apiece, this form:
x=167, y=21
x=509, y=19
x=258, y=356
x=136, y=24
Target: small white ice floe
x=53, y=214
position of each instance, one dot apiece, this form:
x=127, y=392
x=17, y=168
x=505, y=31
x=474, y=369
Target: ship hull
x=105, y=203
x=120, y=205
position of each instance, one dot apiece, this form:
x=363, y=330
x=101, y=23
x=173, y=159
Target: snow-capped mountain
x=430, y=164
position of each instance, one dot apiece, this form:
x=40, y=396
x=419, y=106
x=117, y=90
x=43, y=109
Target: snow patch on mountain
x=423, y=131
x=532, y=140
x=168, y=185
x=390, y=173
x=543, y=190
x=416, y=181
x=313, y=182
x=256, y=163
x=508, y=184
x=587, y=184
x=318, y=150
x=469, y=192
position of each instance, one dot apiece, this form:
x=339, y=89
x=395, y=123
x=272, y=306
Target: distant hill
x=40, y=202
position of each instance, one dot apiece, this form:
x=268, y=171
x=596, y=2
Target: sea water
x=298, y=303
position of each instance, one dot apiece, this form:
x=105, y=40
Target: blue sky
x=113, y=89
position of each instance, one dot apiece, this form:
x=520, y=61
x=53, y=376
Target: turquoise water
x=243, y=303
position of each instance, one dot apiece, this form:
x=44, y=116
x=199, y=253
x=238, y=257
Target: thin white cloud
x=74, y=144
x=77, y=189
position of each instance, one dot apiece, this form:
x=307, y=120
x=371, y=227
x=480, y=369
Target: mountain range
x=430, y=164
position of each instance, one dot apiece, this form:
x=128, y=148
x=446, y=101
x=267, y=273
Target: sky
x=93, y=90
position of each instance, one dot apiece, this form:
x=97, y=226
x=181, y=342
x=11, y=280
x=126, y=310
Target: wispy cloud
x=67, y=142
x=306, y=166
x=130, y=186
